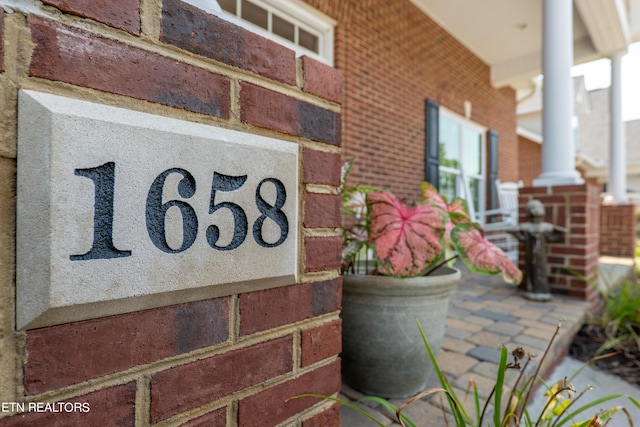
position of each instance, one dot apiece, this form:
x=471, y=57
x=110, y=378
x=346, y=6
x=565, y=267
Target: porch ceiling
x=507, y=34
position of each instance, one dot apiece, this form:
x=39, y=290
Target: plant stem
x=515, y=386
x=535, y=375
x=440, y=264
x=486, y=405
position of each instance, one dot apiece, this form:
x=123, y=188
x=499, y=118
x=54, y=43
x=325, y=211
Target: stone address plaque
x=119, y=211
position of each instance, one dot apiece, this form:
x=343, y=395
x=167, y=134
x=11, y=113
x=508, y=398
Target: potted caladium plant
x=397, y=266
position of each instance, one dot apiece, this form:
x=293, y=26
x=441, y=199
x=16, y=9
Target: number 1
x=103, y=178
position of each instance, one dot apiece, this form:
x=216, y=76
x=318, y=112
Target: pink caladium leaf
x=407, y=240
x=482, y=256
x=458, y=214
x=459, y=208
x=430, y=195
x=457, y=211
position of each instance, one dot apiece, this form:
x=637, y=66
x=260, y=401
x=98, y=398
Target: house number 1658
x=103, y=178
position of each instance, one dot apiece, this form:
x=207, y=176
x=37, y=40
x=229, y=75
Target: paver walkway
x=484, y=313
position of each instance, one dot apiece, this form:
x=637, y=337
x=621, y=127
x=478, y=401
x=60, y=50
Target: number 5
x=240, y=227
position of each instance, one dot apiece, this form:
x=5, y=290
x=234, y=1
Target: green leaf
x=459, y=414
x=390, y=407
x=344, y=403
x=593, y=403
x=497, y=402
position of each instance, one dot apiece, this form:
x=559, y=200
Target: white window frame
x=297, y=12
x=462, y=183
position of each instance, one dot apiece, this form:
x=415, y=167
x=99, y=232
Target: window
x=462, y=173
x=288, y=22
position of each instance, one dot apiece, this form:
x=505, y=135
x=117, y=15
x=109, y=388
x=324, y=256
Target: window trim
x=482, y=131
x=303, y=16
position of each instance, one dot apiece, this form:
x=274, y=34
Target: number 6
x=156, y=211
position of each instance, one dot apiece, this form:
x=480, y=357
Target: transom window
x=294, y=24
x=462, y=148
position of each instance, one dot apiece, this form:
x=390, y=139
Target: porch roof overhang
x=507, y=35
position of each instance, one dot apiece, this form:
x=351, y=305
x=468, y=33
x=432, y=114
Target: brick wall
x=529, y=160
x=393, y=57
x=233, y=360
x=618, y=230
x=574, y=257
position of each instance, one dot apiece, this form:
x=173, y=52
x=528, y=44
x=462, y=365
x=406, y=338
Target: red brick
x=328, y=418
x=563, y=250
x=578, y=283
x=326, y=296
x=192, y=29
x=114, y=406
x=578, y=199
x=578, y=219
x=551, y=199
x=269, y=109
x=68, y=354
x=581, y=262
x=212, y=419
x=322, y=253
x=122, y=14
x=561, y=217
x=274, y=405
x=192, y=385
x=321, y=167
x=1, y=39
x=555, y=260
x=578, y=188
x=558, y=280
x=271, y=308
x=321, y=79
x=533, y=192
x=321, y=342
x=272, y=110
x=84, y=59
x=322, y=210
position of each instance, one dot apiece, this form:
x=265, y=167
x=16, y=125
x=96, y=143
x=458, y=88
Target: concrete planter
x=382, y=351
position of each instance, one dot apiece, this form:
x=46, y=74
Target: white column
x=618, y=148
x=558, y=151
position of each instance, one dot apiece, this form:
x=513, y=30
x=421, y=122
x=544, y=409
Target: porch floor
x=484, y=313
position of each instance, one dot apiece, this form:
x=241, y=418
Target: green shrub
x=622, y=306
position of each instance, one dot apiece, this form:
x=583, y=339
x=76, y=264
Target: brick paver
x=496, y=315
x=455, y=364
x=508, y=329
x=456, y=345
x=490, y=339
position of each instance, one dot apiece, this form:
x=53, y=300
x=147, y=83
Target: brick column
x=575, y=256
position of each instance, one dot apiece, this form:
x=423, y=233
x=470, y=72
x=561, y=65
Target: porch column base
x=547, y=179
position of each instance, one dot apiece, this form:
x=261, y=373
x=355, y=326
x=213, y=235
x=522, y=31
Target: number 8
x=274, y=213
